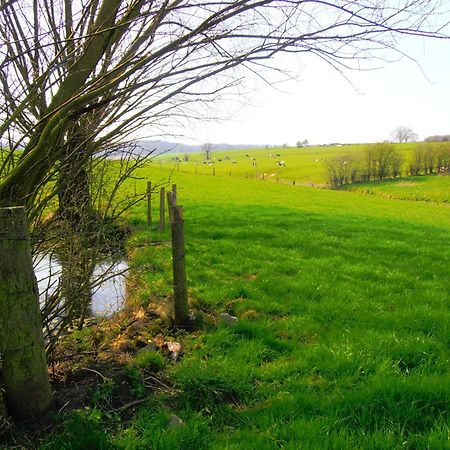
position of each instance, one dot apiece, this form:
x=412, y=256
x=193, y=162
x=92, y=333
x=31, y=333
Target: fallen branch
x=96, y=372
x=128, y=405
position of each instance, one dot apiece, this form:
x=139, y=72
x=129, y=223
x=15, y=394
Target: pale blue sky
x=323, y=107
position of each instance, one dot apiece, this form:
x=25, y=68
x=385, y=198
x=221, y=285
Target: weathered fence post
x=161, y=210
x=24, y=366
x=214, y=171
x=180, y=299
x=149, y=203
x=264, y=176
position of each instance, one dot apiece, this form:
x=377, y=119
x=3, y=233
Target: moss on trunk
x=24, y=366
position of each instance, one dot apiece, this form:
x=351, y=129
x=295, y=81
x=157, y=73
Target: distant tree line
x=378, y=161
x=430, y=159
x=438, y=138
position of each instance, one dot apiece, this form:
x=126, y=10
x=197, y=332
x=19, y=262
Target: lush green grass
x=303, y=165
x=429, y=188
x=343, y=338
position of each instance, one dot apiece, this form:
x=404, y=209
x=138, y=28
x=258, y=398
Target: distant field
x=302, y=165
x=430, y=188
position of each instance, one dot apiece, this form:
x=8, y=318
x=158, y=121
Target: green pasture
x=343, y=338
x=431, y=188
x=303, y=165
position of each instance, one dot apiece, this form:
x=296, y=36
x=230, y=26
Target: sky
x=323, y=106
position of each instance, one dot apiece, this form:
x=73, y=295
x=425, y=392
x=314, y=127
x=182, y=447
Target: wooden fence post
x=293, y=182
x=161, y=209
x=180, y=299
x=149, y=203
x=214, y=171
x=174, y=191
x=24, y=366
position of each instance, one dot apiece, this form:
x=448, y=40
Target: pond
x=108, y=292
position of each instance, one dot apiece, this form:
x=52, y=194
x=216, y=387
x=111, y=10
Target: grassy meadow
x=430, y=188
x=342, y=300
x=305, y=166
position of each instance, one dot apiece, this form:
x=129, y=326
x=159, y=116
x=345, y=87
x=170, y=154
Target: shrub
x=429, y=159
x=379, y=161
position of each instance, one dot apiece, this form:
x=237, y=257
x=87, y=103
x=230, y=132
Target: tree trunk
x=24, y=367
x=75, y=207
x=76, y=272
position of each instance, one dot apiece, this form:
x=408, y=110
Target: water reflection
x=108, y=289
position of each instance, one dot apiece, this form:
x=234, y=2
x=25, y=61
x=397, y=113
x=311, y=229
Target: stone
x=228, y=319
x=174, y=422
x=175, y=349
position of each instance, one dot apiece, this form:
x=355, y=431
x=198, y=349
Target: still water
x=108, y=296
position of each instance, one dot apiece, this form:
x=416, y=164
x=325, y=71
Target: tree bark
x=73, y=181
x=24, y=366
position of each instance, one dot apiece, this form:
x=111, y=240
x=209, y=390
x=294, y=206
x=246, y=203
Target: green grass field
x=423, y=188
x=343, y=338
x=302, y=165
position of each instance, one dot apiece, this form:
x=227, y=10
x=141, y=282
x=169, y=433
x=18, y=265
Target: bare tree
x=206, y=148
x=130, y=64
x=76, y=76
x=378, y=161
x=404, y=134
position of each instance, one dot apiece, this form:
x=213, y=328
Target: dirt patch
x=94, y=368
x=407, y=184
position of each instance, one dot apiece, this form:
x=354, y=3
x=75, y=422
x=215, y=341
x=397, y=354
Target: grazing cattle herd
x=212, y=161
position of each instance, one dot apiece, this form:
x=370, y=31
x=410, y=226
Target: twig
x=62, y=407
x=150, y=377
x=96, y=372
x=129, y=405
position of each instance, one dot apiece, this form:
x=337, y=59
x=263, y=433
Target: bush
x=379, y=161
x=343, y=170
x=430, y=159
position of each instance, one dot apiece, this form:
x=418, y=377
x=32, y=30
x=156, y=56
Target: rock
x=174, y=348
x=228, y=319
x=174, y=422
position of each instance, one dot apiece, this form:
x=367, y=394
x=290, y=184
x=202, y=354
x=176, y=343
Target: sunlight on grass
x=343, y=338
